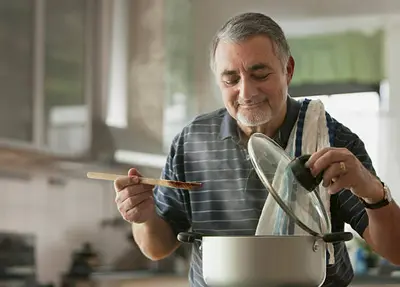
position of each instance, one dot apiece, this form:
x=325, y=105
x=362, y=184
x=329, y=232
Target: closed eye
x=261, y=76
x=231, y=81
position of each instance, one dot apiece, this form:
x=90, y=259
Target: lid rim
x=277, y=198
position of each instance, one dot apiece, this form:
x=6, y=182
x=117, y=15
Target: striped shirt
x=230, y=202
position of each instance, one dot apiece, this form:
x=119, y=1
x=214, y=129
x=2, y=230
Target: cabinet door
x=16, y=57
x=66, y=110
x=45, y=74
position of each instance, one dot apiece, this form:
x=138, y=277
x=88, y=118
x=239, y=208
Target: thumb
x=134, y=172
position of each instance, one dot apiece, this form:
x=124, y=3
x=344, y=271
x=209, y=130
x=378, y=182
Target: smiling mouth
x=250, y=106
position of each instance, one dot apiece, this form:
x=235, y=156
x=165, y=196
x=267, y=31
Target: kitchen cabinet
x=44, y=79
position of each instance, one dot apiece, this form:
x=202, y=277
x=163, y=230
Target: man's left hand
x=342, y=170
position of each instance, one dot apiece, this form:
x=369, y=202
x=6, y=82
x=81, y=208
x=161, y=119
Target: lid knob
x=303, y=174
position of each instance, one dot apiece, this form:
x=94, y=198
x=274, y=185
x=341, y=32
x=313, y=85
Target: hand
x=343, y=170
x=134, y=200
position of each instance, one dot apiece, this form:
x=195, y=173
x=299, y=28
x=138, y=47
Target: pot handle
x=189, y=237
x=337, y=237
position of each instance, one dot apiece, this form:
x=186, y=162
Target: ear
x=289, y=70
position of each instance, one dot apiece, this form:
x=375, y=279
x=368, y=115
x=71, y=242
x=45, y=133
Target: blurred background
x=104, y=85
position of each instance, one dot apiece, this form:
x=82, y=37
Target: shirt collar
x=229, y=127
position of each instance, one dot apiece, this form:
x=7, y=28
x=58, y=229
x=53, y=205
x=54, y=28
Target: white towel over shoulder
x=273, y=220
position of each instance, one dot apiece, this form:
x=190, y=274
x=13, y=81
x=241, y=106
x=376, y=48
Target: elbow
x=153, y=254
x=393, y=255
x=155, y=257
x=155, y=251
x=395, y=260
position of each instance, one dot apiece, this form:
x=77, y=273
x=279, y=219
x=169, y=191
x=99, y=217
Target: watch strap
x=383, y=202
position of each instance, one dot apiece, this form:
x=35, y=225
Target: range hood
x=19, y=160
x=74, y=147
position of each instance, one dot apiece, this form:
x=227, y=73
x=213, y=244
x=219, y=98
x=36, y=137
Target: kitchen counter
x=150, y=279
x=375, y=280
x=139, y=278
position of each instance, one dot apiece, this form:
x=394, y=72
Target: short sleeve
x=350, y=207
x=172, y=205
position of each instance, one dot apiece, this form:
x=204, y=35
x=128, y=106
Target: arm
x=157, y=237
x=383, y=231
x=380, y=227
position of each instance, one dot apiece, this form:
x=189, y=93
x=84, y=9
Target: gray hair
x=246, y=25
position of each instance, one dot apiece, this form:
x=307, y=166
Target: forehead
x=246, y=53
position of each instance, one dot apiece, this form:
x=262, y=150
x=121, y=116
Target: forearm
x=155, y=238
x=384, y=231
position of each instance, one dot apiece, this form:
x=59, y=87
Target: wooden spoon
x=150, y=181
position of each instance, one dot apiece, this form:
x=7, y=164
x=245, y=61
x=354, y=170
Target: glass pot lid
x=290, y=183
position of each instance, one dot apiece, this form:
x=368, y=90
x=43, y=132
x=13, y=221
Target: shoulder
x=203, y=126
x=344, y=137
x=211, y=118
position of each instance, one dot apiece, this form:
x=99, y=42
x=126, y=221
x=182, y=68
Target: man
x=253, y=66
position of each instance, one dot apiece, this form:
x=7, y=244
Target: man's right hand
x=134, y=200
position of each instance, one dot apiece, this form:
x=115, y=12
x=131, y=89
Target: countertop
x=375, y=280
x=152, y=278
x=139, y=278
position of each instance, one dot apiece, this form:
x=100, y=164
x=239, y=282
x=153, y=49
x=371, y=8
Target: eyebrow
x=255, y=67
x=260, y=66
x=229, y=73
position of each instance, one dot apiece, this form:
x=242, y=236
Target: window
x=360, y=113
x=16, y=50
x=44, y=62
x=66, y=108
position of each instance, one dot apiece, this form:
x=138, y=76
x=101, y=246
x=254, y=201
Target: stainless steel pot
x=255, y=261
x=286, y=257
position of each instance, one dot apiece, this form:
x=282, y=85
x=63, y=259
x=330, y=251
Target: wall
x=298, y=9
x=390, y=119
x=301, y=19
x=62, y=217
x=206, y=89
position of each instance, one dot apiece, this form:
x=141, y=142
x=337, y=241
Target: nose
x=248, y=89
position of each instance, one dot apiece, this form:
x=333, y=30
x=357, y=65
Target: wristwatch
x=387, y=198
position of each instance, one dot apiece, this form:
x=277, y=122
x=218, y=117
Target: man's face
x=252, y=80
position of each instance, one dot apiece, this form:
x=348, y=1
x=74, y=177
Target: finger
x=132, y=202
x=134, y=172
x=316, y=155
x=132, y=178
x=343, y=182
x=137, y=214
x=125, y=181
x=131, y=191
x=327, y=159
x=332, y=174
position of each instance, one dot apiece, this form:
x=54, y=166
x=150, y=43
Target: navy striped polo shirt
x=230, y=202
